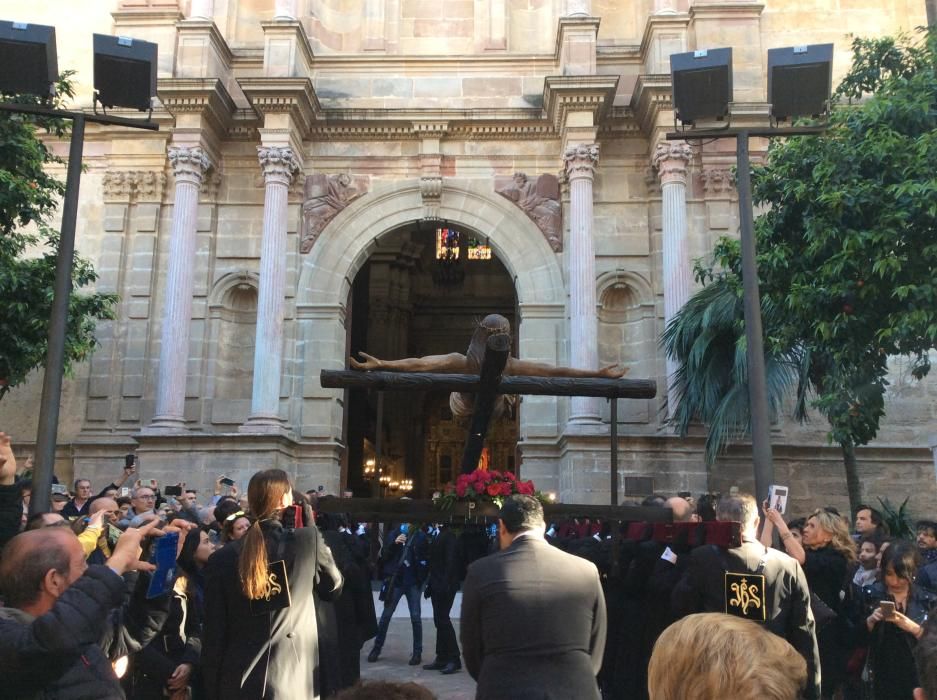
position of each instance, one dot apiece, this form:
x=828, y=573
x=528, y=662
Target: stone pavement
x=392, y=666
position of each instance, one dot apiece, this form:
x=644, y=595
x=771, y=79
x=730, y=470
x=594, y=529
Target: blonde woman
x=260, y=637
x=826, y=552
x=713, y=656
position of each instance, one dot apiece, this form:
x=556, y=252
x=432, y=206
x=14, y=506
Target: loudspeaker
x=28, y=62
x=124, y=71
x=702, y=84
x=799, y=80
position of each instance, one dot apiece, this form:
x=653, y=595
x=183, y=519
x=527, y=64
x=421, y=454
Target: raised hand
x=7, y=461
x=126, y=555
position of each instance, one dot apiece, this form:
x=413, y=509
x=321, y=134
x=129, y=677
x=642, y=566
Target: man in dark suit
x=533, y=616
x=754, y=582
x=445, y=564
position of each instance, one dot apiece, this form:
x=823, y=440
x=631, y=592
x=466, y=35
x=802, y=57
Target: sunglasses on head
x=234, y=516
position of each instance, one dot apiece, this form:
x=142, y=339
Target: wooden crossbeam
x=470, y=383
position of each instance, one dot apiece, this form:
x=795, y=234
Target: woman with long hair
x=826, y=551
x=260, y=638
x=895, y=610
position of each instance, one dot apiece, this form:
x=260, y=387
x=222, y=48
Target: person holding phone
x=895, y=611
x=260, y=638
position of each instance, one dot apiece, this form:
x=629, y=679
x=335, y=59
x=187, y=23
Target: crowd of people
x=263, y=595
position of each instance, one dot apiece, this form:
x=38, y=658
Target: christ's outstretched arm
x=454, y=362
x=519, y=368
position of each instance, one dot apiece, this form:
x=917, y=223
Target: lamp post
x=799, y=83
x=124, y=76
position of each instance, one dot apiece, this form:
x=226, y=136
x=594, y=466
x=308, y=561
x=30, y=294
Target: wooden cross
x=489, y=384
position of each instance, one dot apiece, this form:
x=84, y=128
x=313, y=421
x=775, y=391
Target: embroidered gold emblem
x=273, y=587
x=745, y=596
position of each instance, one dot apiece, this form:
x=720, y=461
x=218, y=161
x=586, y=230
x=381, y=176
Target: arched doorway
x=417, y=296
x=323, y=317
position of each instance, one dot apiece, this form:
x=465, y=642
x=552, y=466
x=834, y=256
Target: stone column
x=578, y=8
x=202, y=9
x=189, y=166
x=671, y=160
x=279, y=165
x=284, y=9
x=583, y=336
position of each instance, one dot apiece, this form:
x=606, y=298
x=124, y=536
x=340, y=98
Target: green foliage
x=898, y=520
x=847, y=255
x=29, y=196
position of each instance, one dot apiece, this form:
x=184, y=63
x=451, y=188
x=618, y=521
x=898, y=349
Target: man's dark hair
x=903, y=558
x=706, y=506
x=78, y=481
x=875, y=516
x=23, y=567
x=875, y=538
x=385, y=690
x=225, y=508
x=741, y=508
x=925, y=525
x=797, y=524
x=654, y=501
x=521, y=513
x=35, y=522
x=925, y=658
x=24, y=485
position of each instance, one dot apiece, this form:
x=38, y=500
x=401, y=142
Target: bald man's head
x=109, y=506
x=682, y=510
x=38, y=565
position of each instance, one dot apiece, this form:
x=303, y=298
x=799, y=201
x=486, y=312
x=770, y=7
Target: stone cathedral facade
x=288, y=212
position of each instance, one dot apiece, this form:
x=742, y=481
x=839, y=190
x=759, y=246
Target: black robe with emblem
x=272, y=655
x=788, y=615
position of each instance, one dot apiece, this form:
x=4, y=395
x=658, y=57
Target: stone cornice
x=204, y=96
x=582, y=93
x=207, y=26
x=676, y=21
x=567, y=23
x=724, y=10
x=652, y=94
x=282, y=26
x=294, y=96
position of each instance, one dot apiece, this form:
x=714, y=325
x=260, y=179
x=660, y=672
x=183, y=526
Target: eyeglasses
x=151, y=497
x=234, y=516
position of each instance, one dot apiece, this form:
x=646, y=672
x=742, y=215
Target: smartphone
x=165, y=559
x=888, y=609
x=60, y=488
x=129, y=461
x=226, y=481
x=172, y=490
x=125, y=492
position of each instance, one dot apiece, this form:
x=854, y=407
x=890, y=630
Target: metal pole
x=754, y=344
x=613, y=468
x=58, y=327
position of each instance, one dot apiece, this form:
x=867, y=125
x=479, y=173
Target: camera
x=171, y=490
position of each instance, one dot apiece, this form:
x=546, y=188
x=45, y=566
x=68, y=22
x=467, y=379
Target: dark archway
x=404, y=302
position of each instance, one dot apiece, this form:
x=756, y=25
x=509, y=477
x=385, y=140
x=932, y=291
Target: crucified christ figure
x=470, y=363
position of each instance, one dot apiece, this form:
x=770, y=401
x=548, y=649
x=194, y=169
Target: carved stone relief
x=540, y=200
x=143, y=185
x=323, y=198
x=718, y=181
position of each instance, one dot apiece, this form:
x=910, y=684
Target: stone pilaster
x=279, y=166
x=583, y=337
x=578, y=8
x=189, y=166
x=671, y=160
x=202, y=9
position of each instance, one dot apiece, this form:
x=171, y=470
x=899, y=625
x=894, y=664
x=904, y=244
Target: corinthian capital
x=279, y=163
x=189, y=164
x=671, y=159
x=581, y=160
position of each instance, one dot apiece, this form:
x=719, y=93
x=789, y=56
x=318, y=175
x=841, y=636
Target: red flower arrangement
x=486, y=485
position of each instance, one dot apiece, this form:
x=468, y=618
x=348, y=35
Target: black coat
x=66, y=653
x=445, y=562
x=533, y=624
x=891, y=650
x=11, y=513
x=788, y=614
x=272, y=655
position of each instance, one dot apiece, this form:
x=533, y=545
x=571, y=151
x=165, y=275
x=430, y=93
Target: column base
x=586, y=425
x=264, y=425
x=165, y=425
